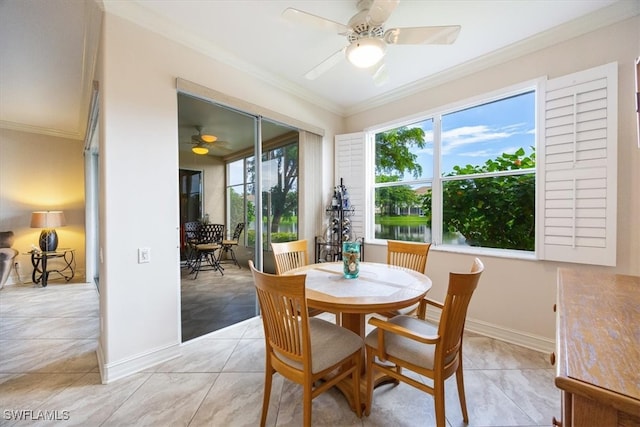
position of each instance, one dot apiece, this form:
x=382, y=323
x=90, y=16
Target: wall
x=39, y=172
x=515, y=297
x=140, y=303
x=213, y=171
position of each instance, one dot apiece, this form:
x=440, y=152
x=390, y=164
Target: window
x=239, y=204
x=279, y=199
x=479, y=160
x=280, y=194
x=574, y=180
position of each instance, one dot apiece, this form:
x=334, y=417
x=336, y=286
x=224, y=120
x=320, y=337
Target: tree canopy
x=393, y=154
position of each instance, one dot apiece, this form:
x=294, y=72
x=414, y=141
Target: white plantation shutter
x=350, y=166
x=578, y=167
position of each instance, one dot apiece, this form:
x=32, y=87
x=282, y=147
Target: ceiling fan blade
x=423, y=35
x=325, y=65
x=379, y=74
x=380, y=11
x=308, y=19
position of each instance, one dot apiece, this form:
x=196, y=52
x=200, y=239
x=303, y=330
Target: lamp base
x=48, y=240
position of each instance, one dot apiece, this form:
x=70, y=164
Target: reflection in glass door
x=190, y=201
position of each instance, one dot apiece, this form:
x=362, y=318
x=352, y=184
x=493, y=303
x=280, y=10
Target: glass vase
x=351, y=259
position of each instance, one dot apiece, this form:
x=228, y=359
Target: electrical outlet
x=144, y=255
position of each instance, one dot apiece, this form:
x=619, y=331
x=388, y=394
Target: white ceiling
x=48, y=47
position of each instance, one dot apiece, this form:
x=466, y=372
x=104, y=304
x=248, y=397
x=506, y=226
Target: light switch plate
x=144, y=255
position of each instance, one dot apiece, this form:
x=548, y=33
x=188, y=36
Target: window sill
x=471, y=250
x=496, y=253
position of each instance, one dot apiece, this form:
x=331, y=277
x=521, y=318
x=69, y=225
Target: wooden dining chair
x=434, y=351
x=309, y=351
x=290, y=255
x=411, y=255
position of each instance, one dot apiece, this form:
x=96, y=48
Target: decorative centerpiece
x=351, y=259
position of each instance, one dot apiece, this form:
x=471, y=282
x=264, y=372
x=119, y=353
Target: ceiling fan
x=367, y=37
x=203, y=140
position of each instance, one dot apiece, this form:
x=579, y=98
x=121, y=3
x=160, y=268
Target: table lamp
x=48, y=221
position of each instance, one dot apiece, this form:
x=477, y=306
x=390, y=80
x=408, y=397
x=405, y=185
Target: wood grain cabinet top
x=598, y=337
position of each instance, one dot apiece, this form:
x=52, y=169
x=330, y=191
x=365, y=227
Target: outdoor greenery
x=393, y=154
x=284, y=195
x=496, y=212
x=393, y=159
x=236, y=207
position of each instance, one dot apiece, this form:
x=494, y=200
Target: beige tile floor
x=48, y=338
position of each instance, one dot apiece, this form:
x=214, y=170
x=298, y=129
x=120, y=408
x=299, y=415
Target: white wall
x=40, y=172
x=515, y=297
x=140, y=303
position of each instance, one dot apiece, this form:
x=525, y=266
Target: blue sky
x=477, y=134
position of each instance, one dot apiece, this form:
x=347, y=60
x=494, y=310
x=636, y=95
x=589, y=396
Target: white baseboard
x=110, y=372
x=524, y=339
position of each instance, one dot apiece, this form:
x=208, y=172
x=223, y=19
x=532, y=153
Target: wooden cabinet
x=598, y=348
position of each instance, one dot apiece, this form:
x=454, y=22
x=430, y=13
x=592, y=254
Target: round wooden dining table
x=378, y=288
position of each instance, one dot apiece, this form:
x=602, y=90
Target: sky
x=477, y=134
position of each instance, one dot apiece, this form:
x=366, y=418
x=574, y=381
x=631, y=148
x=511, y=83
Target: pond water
x=414, y=233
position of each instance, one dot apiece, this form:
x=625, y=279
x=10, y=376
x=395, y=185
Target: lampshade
x=48, y=219
x=200, y=149
x=365, y=52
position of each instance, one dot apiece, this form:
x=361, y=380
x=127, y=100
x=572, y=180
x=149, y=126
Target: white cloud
x=466, y=135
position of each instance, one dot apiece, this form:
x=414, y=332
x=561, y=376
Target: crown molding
x=135, y=12
x=617, y=12
x=138, y=14
x=21, y=127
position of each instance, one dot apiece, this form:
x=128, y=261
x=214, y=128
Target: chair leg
x=196, y=265
x=306, y=404
x=461, y=396
x=268, y=377
x=438, y=397
x=215, y=262
x=233, y=257
x=370, y=367
x=355, y=377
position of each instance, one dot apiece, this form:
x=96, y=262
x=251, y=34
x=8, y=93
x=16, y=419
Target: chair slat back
x=459, y=293
x=211, y=233
x=290, y=255
x=411, y=255
x=238, y=231
x=192, y=232
x=284, y=313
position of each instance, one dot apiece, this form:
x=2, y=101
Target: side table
x=41, y=267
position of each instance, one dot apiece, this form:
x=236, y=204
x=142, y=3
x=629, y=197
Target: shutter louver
x=350, y=166
x=580, y=167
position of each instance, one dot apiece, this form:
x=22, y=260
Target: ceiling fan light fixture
x=209, y=138
x=365, y=52
x=200, y=149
